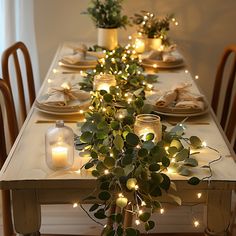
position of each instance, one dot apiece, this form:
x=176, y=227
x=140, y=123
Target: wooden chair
x=15, y=51
x=11, y=123
x=226, y=120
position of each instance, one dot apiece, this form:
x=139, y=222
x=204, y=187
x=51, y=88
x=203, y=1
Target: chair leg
x=6, y=209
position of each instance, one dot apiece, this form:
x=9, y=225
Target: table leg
x=26, y=212
x=218, y=212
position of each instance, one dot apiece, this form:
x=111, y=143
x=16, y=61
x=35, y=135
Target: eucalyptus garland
x=132, y=171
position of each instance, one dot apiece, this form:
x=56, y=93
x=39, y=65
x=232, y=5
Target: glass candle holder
x=59, y=146
x=148, y=123
x=138, y=40
x=103, y=82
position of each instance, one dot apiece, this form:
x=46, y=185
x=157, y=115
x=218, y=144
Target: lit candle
x=60, y=156
x=148, y=123
x=139, y=45
x=104, y=82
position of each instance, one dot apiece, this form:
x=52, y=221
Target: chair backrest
x=227, y=66
x=231, y=126
x=6, y=106
x=14, y=53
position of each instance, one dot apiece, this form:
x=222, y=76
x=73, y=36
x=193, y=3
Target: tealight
x=148, y=123
x=104, y=82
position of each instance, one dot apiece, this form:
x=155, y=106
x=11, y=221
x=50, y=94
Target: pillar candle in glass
x=148, y=123
x=103, y=82
x=59, y=146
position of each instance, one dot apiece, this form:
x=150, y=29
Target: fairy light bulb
x=204, y=144
x=130, y=37
x=49, y=81
x=154, y=65
x=196, y=223
x=104, y=109
x=176, y=23
x=143, y=203
x=140, y=212
x=137, y=222
x=106, y=172
x=81, y=111
x=196, y=77
x=199, y=195
x=75, y=205
x=186, y=71
x=54, y=71
x=162, y=210
x=136, y=187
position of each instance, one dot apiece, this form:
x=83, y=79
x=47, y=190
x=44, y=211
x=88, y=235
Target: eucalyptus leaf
x=131, y=232
x=195, y=142
x=149, y=225
x=176, y=143
x=109, y=162
x=191, y=162
x=194, y=181
x=100, y=214
x=118, y=171
x=132, y=139
x=118, y=142
x=104, y=195
x=145, y=216
x=86, y=137
x=182, y=155
x=94, y=207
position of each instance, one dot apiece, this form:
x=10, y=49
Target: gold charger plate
x=89, y=63
x=146, y=62
x=73, y=107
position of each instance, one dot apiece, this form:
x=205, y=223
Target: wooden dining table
x=32, y=184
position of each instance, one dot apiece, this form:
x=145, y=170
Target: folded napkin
x=61, y=95
x=180, y=97
x=84, y=49
x=193, y=104
x=169, y=54
x=170, y=96
x=167, y=98
x=170, y=57
x=80, y=55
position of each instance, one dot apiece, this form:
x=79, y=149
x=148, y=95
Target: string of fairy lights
x=130, y=50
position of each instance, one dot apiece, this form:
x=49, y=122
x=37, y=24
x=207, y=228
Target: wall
x=205, y=28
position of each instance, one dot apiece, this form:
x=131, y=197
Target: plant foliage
x=152, y=26
x=132, y=171
x=107, y=13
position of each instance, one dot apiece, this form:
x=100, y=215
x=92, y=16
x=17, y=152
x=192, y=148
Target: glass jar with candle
x=138, y=40
x=148, y=123
x=59, y=144
x=103, y=82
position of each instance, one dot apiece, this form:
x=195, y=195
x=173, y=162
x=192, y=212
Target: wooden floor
x=161, y=234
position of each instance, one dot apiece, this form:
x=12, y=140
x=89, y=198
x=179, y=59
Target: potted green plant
x=154, y=28
x=107, y=16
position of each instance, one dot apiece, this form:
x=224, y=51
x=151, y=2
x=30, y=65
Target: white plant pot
x=153, y=44
x=107, y=38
